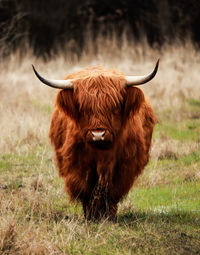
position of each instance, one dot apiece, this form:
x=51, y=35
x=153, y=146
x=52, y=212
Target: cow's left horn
x=138, y=80
x=58, y=84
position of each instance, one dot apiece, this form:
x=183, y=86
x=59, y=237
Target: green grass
x=193, y=102
x=183, y=130
x=46, y=108
x=191, y=158
x=166, y=198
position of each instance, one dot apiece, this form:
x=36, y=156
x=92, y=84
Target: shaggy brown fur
x=101, y=177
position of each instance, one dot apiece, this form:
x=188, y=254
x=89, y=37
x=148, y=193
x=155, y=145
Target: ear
x=65, y=102
x=134, y=100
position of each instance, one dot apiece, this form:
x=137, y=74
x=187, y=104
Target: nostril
x=98, y=136
x=98, y=133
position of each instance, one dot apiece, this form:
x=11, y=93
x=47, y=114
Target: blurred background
x=161, y=214
x=60, y=37
x=48, y=27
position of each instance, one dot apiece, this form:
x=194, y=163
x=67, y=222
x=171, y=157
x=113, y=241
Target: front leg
x=99, y=205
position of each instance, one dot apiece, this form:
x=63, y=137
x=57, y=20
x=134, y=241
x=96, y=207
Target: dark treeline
x=47, y=25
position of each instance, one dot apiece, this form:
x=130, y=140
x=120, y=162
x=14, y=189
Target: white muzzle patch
x=98, y=136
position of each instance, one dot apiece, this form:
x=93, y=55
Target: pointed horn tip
x=157, y=64
x=36, y=73
x=156, y=67
x=34, y=69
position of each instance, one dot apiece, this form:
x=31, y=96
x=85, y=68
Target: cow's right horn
x=139, y=80
x=58, y=84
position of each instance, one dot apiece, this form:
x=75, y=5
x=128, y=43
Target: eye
x=117, y=111
x=76, y=107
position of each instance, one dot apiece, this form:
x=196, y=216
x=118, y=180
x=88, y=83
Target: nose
x=98, y=136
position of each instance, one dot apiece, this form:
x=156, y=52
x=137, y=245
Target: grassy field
x=161, y=215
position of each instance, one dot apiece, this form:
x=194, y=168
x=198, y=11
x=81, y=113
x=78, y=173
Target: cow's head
x=99, y=101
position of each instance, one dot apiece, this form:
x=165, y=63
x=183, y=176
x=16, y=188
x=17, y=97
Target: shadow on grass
x=132, y=218
x=178, y=217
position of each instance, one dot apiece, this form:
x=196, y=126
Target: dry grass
x=168, y=148
x=33, y=206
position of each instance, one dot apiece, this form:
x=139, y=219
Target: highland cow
x=101, y=130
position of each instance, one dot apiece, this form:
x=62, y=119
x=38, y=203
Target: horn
x=138, y=80
x=58, y=84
